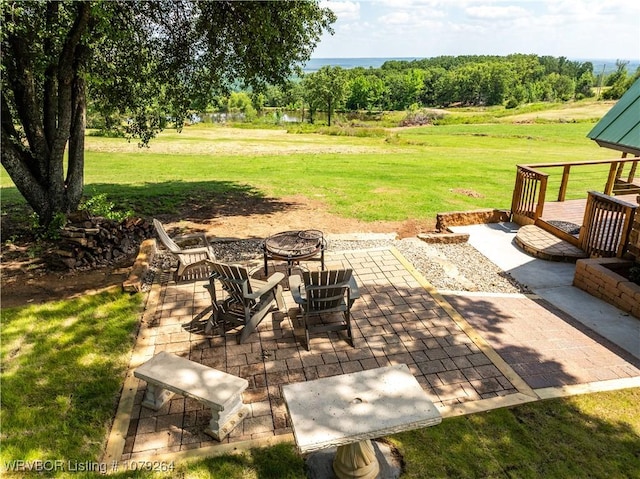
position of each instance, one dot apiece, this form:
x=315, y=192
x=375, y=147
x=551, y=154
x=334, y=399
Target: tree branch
x=16, y=161
x=20, y=77
x=50, y=79
x=67, y=67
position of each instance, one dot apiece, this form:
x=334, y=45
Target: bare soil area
x=28, y=279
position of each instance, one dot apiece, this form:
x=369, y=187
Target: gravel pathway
x=448, y=267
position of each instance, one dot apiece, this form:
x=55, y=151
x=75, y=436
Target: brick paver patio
x=397, y=320
x=543, y=345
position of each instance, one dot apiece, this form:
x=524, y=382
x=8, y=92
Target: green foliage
x=49, y=231
x=474, y=80
x=618, y=82
x=240, y=102
x=142, y=64
x=325, y=89
x=99, y=205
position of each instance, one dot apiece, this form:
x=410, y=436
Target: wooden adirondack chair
x=247, y=300
x=324, y=292
x=189, y=259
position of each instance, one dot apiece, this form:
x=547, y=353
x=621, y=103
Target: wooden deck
x=573, y=210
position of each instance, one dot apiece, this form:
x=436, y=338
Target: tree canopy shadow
x=557, y=438
x=189, y=200
x=551, y=352
x=195, y=201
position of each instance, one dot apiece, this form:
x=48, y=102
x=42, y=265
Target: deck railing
x=530, y=190
x=607, y=221
x=607, y=224
x=529, y=193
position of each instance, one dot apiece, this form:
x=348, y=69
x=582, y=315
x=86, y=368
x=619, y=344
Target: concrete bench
x=166, y=374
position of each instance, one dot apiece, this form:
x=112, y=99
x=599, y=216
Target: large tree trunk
x=52, y=112
x=40, y=179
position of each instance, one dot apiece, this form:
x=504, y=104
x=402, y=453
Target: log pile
x=93, y=242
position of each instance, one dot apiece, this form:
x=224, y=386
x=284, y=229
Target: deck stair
x=544, y=245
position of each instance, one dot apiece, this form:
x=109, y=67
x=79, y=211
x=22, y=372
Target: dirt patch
x=467, y=192
x=27, y=279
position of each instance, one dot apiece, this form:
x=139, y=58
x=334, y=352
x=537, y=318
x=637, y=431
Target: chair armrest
x=271, y=283
x=190, y=237
x=297, y=291
x=199, y=249
x=355, y=290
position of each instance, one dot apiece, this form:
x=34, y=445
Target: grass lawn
x=63, y=363
x=63, y=366
x=409, y=173
x=596, y=436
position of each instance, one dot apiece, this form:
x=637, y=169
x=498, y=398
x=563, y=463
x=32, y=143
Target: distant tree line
x=439, y=82
x=446, y=81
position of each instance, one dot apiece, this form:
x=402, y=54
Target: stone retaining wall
x=475, y=217
x=603, y=282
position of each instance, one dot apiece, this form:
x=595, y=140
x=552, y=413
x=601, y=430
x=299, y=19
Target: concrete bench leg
x=356, y=460
x=223, y=422
x=155, y=397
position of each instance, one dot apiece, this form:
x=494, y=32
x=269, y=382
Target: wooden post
x=516, y=199
x=563, y=185
x=626, y=230
x=632, y=173
x=608, y=189
x=585, y=231
x=541, y=196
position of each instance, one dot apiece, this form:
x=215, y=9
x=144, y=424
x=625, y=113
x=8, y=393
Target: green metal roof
x=619, y=129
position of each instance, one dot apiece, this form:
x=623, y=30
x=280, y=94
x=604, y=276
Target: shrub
x=420, y=117
x=99, y=205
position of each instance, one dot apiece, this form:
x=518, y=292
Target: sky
x=576, y=29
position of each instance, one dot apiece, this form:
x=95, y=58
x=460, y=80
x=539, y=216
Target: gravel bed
x=458, y=267
x=448, y=267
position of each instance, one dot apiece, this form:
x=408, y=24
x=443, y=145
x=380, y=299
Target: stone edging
x=148, y=249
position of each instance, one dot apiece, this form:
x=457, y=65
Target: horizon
x=600, y=65
x=579, y=29
x=474, y=54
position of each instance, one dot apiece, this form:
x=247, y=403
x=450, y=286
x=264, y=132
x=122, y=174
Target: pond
x=278, y=116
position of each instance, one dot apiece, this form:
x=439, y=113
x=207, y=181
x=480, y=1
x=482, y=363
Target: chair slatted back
x=164, y=237
x=325, y=290
x=234, y=279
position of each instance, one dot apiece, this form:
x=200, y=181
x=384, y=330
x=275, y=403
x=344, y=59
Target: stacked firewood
x=92, y=242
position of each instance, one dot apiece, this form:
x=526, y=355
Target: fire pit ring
x=293, y=247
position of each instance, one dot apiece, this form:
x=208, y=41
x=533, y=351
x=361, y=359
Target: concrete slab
x=553, y=282
x=361, y=236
